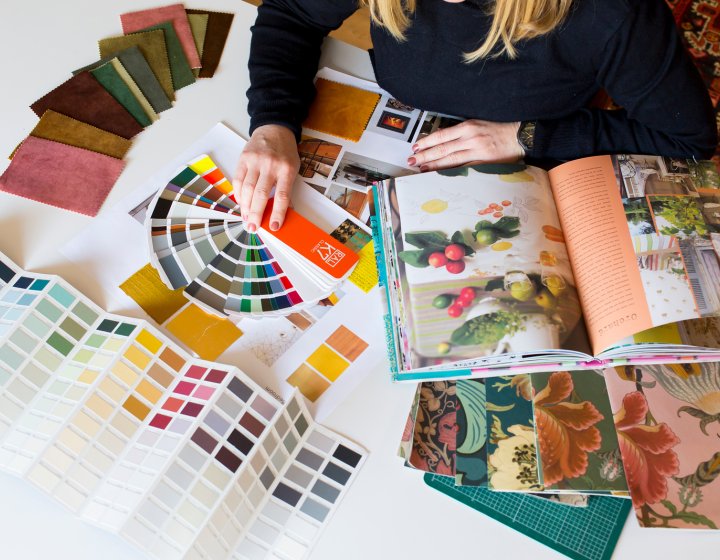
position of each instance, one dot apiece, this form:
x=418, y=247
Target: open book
x=607, y=260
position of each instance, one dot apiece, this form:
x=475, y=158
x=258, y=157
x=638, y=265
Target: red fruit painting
x=455, y=252
x=455, y=310
x=437, y=259
x=455, y=267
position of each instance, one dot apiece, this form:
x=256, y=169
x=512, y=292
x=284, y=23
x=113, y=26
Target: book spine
x=376, y=226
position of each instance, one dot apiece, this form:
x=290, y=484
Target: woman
x=521, y=71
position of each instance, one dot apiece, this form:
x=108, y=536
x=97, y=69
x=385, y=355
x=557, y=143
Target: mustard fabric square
x=341, y=110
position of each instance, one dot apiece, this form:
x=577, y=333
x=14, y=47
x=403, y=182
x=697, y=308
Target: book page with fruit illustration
x=483, y=265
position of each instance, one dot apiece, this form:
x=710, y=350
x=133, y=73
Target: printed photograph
x=665, y=279
x=705, y=176
x=317, y=159
x=393, y=121
x=638, y=216
x=434, y=122
x=703, y=270
x=351, y=200
x=710, y=209
x=396, y=105
x=653, y=175
x=679, y=216
x=360, y=172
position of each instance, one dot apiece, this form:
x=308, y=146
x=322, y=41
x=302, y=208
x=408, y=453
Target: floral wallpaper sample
x=667, y=420
x=471, y=435
x=575, y=432
x=434, y=433
x=511, y=451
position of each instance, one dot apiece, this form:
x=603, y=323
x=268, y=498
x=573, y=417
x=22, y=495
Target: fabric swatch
x=157, y=300
x=198, y=26
x=218, y=28
x=182, y=74
x=66, y=130
x=175, y=13
x=576, y=436
x=128, y=79
x=435, y=431
x=61, y=175
x=109, y=78
x=135, y=64
x=83, y=98
x=152, y=46
x=668, y=425
x=341, y=110
x=205, y=334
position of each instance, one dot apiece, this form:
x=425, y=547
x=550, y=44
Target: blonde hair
x=512, y=21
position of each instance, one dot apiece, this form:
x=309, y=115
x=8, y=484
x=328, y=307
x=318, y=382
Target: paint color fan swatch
x=183, y=458
x=198, y=242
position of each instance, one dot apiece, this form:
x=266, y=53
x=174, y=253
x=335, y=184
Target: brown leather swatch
x=61, y=128
x=83, y=98
x=218, y=28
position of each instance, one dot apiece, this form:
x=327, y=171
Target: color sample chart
x=182, y=457
x=327, y=363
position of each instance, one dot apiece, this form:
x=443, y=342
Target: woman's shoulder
x=606, y=16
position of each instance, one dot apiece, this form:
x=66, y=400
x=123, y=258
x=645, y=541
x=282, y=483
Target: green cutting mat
x=589, y=533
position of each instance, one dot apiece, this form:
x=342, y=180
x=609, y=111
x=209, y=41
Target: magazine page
x=479, y=267
x=640, y=235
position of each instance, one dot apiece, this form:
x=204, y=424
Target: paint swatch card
x=182, y=457
x=198, y=242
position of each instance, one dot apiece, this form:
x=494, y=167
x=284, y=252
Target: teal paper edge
x=422, y=375
x=383, y=281
x=431, y=480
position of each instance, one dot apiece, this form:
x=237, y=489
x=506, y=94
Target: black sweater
x=630, y=48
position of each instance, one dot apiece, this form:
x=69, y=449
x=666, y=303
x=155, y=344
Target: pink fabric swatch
x=136, y=21
x=61, y=175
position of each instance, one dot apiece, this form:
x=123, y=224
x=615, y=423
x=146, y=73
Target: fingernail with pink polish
x=274, y=226
x=415, y=148
x=411, y=161
x=251, y=228
x=424, y=168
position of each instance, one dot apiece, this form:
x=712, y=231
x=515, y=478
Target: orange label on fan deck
x=304, y=237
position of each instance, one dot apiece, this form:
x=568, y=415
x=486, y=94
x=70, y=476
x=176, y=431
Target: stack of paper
x=74, y=155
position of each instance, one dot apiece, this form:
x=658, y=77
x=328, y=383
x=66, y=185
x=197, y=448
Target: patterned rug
x=699, y=24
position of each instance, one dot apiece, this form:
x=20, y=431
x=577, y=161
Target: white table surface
x=389, y=512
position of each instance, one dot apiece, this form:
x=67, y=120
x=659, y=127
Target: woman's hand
x=472, y=141
x=270, y=159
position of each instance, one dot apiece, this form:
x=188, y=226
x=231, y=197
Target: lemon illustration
x=555, y=284
x=501, y=246
x=546, y=300
x=434, y=206
x=522, y=290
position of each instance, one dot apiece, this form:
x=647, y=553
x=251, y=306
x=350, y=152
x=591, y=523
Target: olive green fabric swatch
x=128, y=79
x=218, y=29
x=198, y=26
x=137, y=66
x=109, y=78
x=66, y=130
x=180, y=70
x=152, y=46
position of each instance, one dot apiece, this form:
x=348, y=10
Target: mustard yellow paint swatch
x=147, y=290
x=136, y=408
x=205, y=334
x=341, y=110
x=365, y=275
x=151, y=343
x=308, y=382
x=328, y=362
